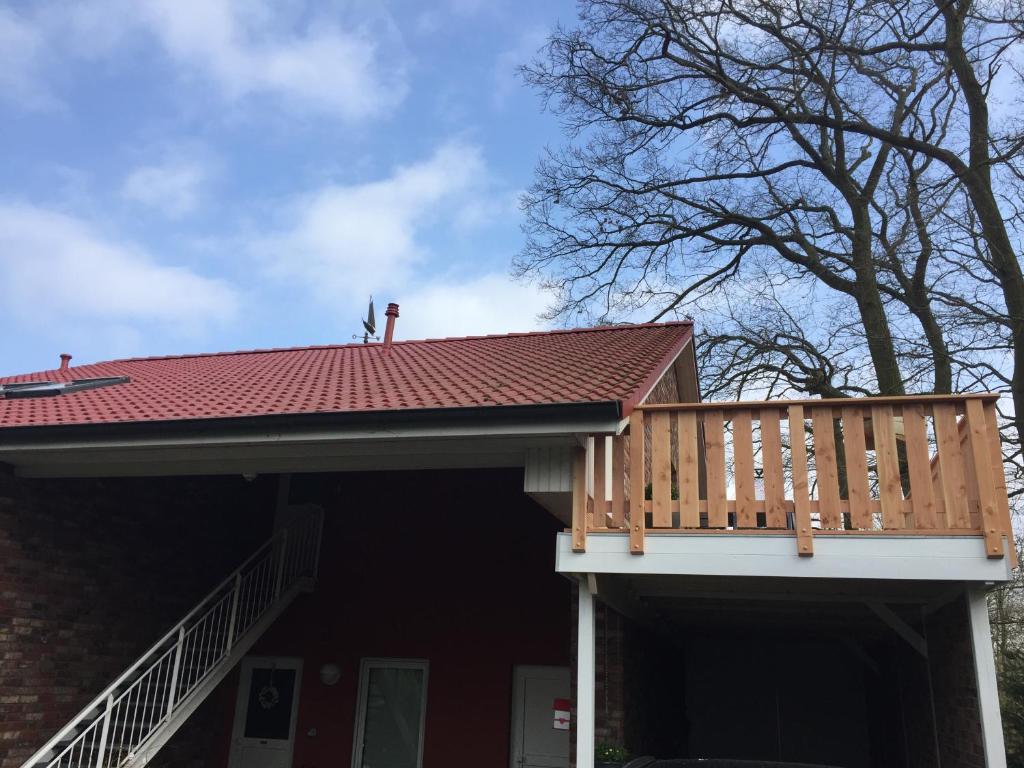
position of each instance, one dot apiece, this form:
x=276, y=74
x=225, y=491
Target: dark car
x=650, y=762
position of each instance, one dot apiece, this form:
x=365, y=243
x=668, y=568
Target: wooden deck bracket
x=900, y=627
x=579, y=500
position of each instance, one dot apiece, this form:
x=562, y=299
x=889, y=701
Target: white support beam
x=895, y=557
x=586, y=671
x=985, y=674
x=900, y=627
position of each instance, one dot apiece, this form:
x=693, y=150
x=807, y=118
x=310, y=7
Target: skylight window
x=26, y=389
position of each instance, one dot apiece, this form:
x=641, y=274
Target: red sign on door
x=561, y=710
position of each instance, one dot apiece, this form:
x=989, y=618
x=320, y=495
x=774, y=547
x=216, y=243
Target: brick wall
x=94, y=571
x=638, y=687
x=957, y=715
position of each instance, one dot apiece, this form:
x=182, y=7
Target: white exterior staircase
x=128, y=723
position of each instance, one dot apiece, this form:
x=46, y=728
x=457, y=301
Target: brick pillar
x=957, y=714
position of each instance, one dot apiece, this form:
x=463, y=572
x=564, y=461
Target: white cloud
x=305, y=55
x=491, y=303
x=57, y=268
x=507, y=63
x=22, y=45
x=348, y=240
x=172, y=188
x=237, y=43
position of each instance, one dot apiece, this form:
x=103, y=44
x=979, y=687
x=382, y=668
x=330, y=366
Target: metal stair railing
x=126, y=716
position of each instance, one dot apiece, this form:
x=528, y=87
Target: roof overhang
x=397, y=439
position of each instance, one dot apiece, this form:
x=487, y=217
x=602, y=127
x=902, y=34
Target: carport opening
x=789, y=673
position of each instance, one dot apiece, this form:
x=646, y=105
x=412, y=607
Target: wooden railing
x=927, y=465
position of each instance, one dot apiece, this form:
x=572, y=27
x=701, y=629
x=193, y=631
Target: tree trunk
x=877, y=331
x=977, y=179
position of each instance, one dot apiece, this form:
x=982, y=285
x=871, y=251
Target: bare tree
x=815, y=147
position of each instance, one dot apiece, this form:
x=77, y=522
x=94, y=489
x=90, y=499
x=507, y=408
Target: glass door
x=389, y=719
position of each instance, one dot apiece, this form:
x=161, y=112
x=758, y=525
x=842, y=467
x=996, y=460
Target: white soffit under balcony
x=836, y=556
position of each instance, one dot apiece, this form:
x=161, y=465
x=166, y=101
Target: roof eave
x=556, y=415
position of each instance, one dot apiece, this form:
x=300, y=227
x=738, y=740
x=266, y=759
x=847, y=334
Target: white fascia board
x=538, y=428
x=839, y=556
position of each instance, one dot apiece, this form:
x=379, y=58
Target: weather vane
x=370, y=326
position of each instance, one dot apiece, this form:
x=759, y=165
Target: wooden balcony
x=927, y=465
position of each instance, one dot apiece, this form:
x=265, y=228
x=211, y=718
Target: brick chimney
x=65, y=361
x=389, y=330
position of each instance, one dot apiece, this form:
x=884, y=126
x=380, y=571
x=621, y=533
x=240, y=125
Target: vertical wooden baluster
x=856, y=468
x=637, y=482
x=600, y=482
x=999, y=478
x=579, y=500
x=890, y=488
x=801, y=496
x=618, y=519
x=919, y=466
x=743, y=456
x=661, y=470
x=686, y=470
x=981, y=459
x=771, y=462
x=714, y=448
x=951, y=464
x=826, y=467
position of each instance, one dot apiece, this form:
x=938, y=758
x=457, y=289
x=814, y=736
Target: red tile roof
x=618, y=363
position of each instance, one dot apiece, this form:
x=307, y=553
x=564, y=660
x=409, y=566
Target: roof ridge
x=399, y=342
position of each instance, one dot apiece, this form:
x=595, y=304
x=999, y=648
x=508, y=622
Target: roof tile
x=582, y=365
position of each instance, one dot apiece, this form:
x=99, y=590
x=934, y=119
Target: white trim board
x=841, y=556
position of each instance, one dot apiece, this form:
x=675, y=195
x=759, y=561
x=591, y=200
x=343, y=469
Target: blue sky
x=205, y=175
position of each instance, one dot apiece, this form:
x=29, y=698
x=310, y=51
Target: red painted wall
x=453, y=567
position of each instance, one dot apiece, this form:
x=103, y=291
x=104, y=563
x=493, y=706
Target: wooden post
x=743, y=449
x=951, y=467
x=600, y=482
x=714, y=447
x=637, y=484
x=801, y=498
x=890, y=486
x=774, y=482
x=981, y=457
x=687, y=466
x=579, y=500
x=618, y=519
x=826, y=468
x=999, y=478
x=919, y=467
x=661, y=470
x=857, y=468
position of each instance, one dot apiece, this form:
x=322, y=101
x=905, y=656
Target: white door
x=540, y=726
x=268, y=703
x=391, y=712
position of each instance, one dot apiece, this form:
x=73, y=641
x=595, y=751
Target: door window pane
x=393, y=712
x=269, y=710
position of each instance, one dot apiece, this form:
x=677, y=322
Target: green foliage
x=611, y=754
